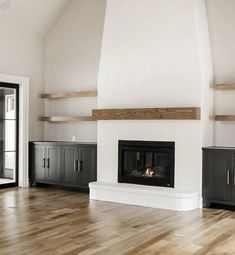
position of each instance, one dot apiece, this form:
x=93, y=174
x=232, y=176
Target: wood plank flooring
x=48, y=221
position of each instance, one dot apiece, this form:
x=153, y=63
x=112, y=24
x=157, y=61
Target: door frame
x=16, y=88
x=23, y=83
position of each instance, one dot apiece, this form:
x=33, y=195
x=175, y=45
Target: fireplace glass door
x=148, y=163
x=8, y=134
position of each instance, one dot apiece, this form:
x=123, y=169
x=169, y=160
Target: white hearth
x=156, y=197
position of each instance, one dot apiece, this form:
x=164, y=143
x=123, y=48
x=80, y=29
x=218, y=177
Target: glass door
x=9, y=112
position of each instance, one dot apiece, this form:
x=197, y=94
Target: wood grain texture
x=71, y=94
x=224, y=117
x=66, y=118
x=38, y=221
x=225, y=86
x=186, y=113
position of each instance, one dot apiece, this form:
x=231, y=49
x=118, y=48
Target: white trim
x=23, y=124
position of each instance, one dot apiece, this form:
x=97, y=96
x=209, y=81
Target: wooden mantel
x=180, y=113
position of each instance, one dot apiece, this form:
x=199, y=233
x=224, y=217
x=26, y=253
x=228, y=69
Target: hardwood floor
x=48, y=221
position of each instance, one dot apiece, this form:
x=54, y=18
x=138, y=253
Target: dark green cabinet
x=63, y=163
x=53, y=163
x=85, y=165
x=46, y=163
x=218, y=184
x=39, y=162
x=69, y=172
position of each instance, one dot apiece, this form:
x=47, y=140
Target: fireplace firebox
x=146, y=163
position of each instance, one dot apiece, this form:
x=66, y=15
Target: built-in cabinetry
x=63, y=163
x=218, y=176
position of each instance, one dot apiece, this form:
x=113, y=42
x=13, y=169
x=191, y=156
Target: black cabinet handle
x=79, y=165
x=228, y=177
x=48, y=163
x=43, y=162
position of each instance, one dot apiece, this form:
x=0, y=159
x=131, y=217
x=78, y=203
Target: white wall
x=22, y=54
x=151, y=58
x=207, y=73
x=221, y=25
x=22, y=25
x=72, y=55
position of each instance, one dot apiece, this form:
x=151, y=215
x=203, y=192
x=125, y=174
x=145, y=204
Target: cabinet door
x=219, y=176
x=53, y=163
x=39, y=154
x=87, y=166
x=70, y=157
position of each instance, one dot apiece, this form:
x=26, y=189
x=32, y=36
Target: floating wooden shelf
x=66, y=118
x=72, y=94
x=225, y=117
x=225, y=86
x=186, y=113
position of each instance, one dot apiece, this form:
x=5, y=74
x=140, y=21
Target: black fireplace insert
x=146, y=163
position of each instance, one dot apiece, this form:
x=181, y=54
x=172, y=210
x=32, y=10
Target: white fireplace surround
x=156, y=55
x=156, y=197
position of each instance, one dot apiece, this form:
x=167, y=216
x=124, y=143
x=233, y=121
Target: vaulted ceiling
x=30, y=15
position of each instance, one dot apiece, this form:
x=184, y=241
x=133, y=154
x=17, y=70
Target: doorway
x=9, y=134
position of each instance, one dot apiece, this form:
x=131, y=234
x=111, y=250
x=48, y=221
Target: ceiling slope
x=30, y=15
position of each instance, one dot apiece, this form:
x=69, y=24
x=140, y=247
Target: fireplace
x=146, y=163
